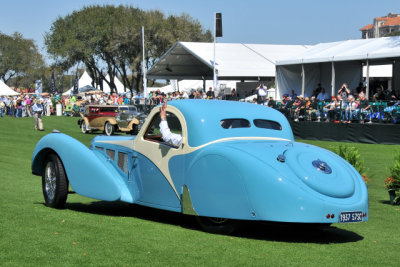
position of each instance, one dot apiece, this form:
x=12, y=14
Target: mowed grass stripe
x=91, y=232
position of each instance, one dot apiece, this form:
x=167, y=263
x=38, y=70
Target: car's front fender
x=89, y=173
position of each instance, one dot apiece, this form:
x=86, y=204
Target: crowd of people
x=347, y=106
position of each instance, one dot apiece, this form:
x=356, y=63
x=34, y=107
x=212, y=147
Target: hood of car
x=317, y=168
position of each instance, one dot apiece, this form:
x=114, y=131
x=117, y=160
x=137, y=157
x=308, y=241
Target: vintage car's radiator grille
x=123, y=161
x=111, y=153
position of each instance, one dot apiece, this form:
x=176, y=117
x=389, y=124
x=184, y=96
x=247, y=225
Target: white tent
x=189, y=85
x=84, y=80
x=5, y=90
x=118, y=84
x=332, y=64
x=194, y=60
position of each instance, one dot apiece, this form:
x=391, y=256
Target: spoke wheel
x=217, y=225
x=109, y=129
x=83, y=127
x=54, y=182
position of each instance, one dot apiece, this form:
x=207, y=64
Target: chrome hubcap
x=108, y=128
x=50, y=180
x=83, y=127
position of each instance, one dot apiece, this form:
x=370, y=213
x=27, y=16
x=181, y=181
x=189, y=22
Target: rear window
x=235, y=123
x=267, y=124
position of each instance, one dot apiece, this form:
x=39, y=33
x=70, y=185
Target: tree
x=20, y=61
x=108, y=39
x=395, y=33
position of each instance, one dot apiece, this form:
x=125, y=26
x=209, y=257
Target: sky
x=305, y=22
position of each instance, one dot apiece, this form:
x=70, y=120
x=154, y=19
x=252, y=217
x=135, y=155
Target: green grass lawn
x=91, y=232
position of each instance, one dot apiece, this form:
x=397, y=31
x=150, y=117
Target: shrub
x=352, y=156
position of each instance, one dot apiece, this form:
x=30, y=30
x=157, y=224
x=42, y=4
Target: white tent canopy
x=189, y=85
x=194, y=60
x=5, y=90
x=86, y=80
x=118, y=85
x=332, y=64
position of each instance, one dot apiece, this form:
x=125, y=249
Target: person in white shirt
x=168, y=137
x=37, y=110
x=261, y=93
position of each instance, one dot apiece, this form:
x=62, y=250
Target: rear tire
x=83, y=127
x=217, y=225
x=109, y=129
x=54, y=182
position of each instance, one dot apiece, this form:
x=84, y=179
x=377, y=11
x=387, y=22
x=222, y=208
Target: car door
x=161, y=166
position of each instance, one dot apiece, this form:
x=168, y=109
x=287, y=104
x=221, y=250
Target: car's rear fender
x=89, y=172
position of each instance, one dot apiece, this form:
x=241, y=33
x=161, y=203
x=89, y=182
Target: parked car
x=111, y=119
x=237, y=161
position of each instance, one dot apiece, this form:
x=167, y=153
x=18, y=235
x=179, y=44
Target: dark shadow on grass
x=282, y=232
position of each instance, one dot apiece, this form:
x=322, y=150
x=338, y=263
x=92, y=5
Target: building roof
x=392, y=22
x=368, y=27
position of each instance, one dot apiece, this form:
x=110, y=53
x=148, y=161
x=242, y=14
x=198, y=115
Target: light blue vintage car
x=237, y=161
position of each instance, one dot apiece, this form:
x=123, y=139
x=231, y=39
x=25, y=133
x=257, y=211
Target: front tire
x=217, y=225
x=109, y=129
x=54, y=182
x=135, y=129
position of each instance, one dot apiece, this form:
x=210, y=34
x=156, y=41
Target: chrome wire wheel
x=83, y=127
x=50, y=180
x=54, y=182
x=109, y=129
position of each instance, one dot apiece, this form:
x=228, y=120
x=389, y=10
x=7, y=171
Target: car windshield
x=131, y=109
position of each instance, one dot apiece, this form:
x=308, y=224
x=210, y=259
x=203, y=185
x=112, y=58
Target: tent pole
x=333, y=79
x=303, y=80
x=367, y=80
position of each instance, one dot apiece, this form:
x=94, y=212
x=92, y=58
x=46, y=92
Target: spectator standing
x=28, y=103
x=2, y=108
x=37, y=110
x=344, y=92
x=210, y=93
x=261, y=93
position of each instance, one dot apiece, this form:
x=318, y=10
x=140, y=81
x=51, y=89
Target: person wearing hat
x=37, y=110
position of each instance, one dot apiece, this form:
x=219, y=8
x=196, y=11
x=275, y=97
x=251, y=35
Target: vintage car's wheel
x=54, y=182
x=217, y=225
x=83, y=127
x=135, y=129
x=109, y=129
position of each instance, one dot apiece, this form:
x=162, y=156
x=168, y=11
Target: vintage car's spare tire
x=54, y=182
x=83, y=127
x=109, y=129
x=217, y=225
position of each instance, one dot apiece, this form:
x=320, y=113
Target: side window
x=267, y=124
x=153, y=132
x=235, y=123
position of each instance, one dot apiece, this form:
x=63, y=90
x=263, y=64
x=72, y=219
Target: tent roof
x=193, y=60
x=5, y=90
x=361, y=49
x=86, y=80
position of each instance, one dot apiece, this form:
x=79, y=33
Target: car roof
x=203, y=120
